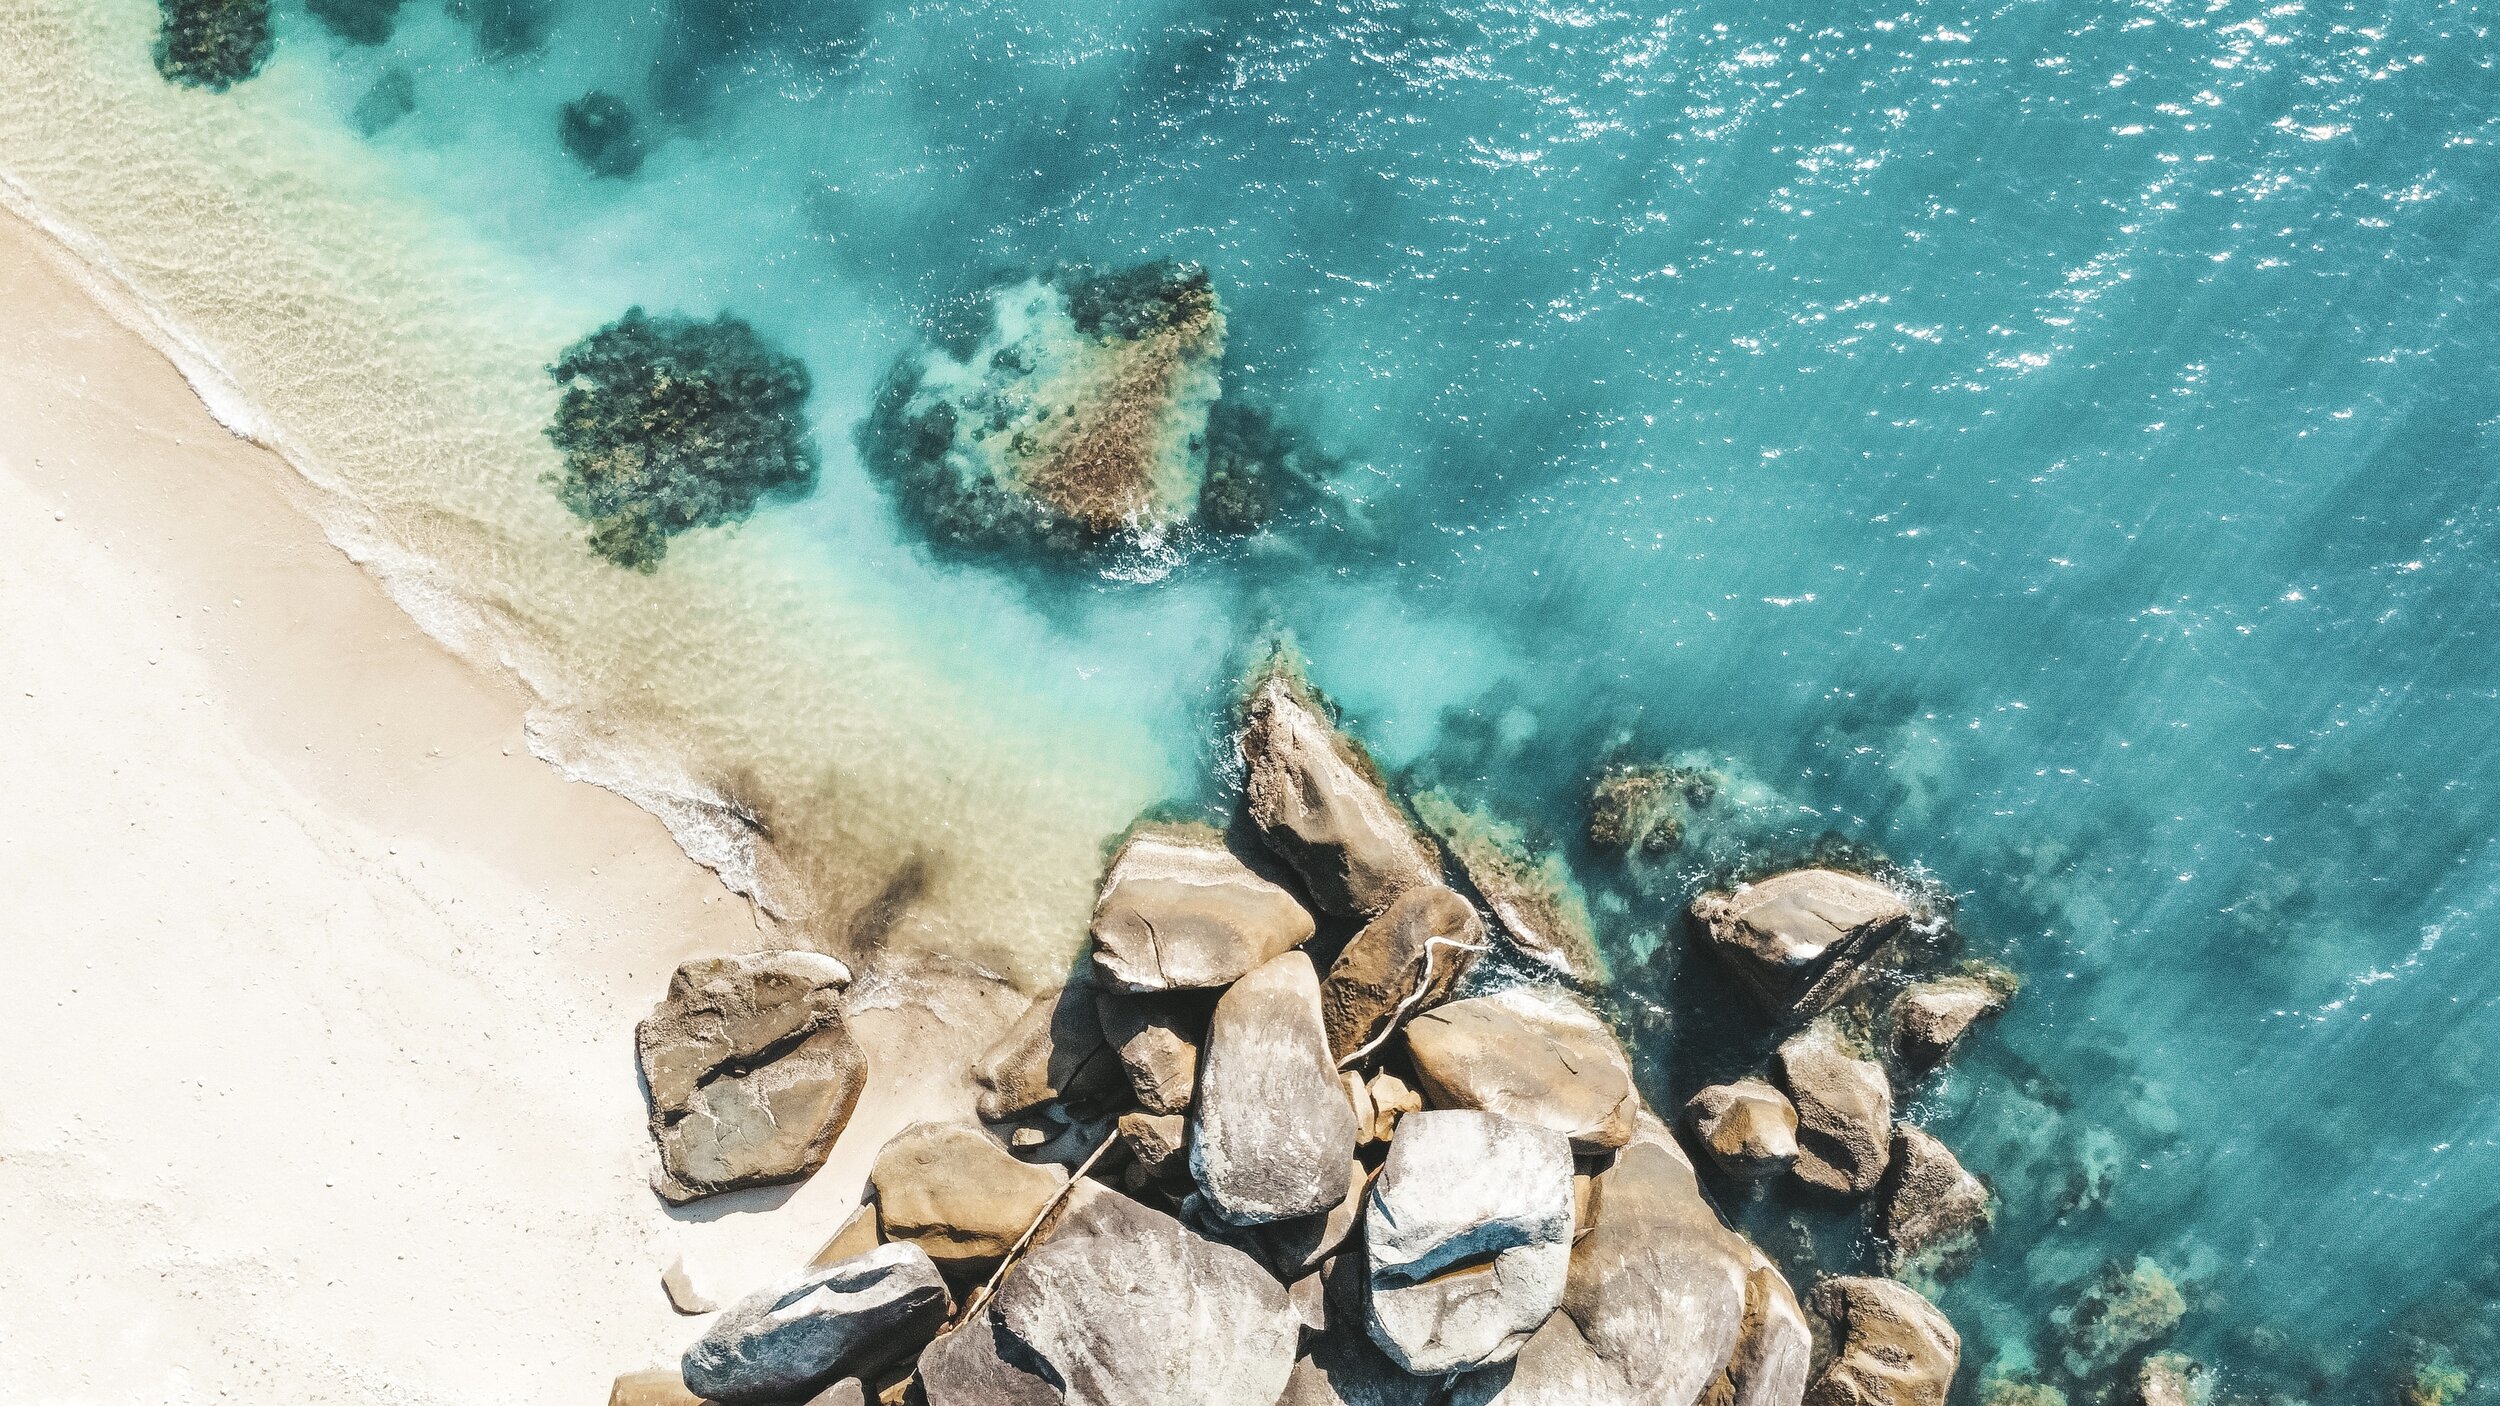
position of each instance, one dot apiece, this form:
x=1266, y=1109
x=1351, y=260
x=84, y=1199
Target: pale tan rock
x=1158, y=1142
x=1156, y=1040
x=1895, y=1349
x=857, y=1236
x=1319, y=802
x=1775, y=1350
x=684, y=1295
x=1930, y=1203
x=1796, y=942
x=949, y=1189
x=1844, y=1110
x=659, y=1386
x=1930, y=1019
x=1389, y=1099
x=1054, y=1051
x=1748, y=1128
x=1274, y=1134
x=1180, y=911
x=1529, y=1053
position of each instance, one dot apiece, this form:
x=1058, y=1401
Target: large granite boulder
x=825, y=1324
x=1054, y=1051
x=1895, y=1348
x=1797, y=941
x=1122, y=1306
x=1930, y=1203
x=1275, y=1134
x=1844, y=1110
x=1319, y=802
x=1529, y=1053
x=1180, y=911
x=1775, y=1350
x=1930, y=1019
x=752, y=1072
x=1556, y=1368
x=1658, y=1284
x=959, y=1196
x=1408, y=959
x=1748, y=1128
x=1156, y=1040
x=1468, y=1229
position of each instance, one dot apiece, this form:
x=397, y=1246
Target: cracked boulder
x=1530, y=1053
x=1156, y=1040
x=1895, y=1348
x=1468, y=1229
x=1275, y=1135
x=959, y=1196
x=1053, y=1052
x=819, y=1327
x=1844, y=1110
x=1931, y=1206
x=1930, y=1019
x=1797, y=941
x=1180, y=911
x=1407, y=960
x=752, y=1071
x=1319, y=802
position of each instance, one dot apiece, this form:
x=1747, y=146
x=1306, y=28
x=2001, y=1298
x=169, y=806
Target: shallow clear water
x=2052, y=445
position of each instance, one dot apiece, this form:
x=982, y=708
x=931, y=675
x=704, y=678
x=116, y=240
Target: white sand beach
x=332, y=983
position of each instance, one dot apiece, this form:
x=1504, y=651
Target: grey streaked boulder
x=1797, y=941
x=1530, y=1053
x=1156, y=1040
x=1179, y=910
x=752, y=1072
x=1930, y=1019
x=1125, y=1306
x=1556, y=1368
x=959, y=1196
x=1275, y=1135
x=1748, y=1128
x=1930, y=1203
x=1657, y=1285
x=1468, y=1230
x=979, y=1363
x=823, y=1325
x=1054, y=1051
x=1294, y=1248
x=1774, y=1353
x=1408, y=959
x=1895, y=1349
x=1341, y=1365
x=1319, y=802
x=1844, y=1110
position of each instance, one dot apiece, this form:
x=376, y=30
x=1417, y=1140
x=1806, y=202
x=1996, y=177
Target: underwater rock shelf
x=1312, y=1124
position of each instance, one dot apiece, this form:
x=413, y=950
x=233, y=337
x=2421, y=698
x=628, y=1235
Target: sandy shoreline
x=349, y=975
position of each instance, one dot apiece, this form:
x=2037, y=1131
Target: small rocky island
x=1330, y=1114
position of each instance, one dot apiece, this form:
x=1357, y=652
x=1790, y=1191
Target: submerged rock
x=1929, y=1019
x=601, y=132
x=356, y=21
x=212, y=44
x=1844, y=1110
x=1122, y=1304
x=958, y=1196
x=1536, y=1055
x=1468, y=1229
x=1895, y=1348
x=1179, y=910
x=2131, y=1306
x=751, y=1070
x=1054, y=1051
x=392, y=97
x=1319, y=802
x=1796, y=941
x=825, y=1324
x=1275, y=1134
x=1156, y=1042
x=669, y=424
x=1534, y=900
x=1640, y=809
x=1409, y=959
x=1748, y=1128
x=1931, y=1206
x=2175, y=1379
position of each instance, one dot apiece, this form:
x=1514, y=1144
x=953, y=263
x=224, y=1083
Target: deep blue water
x=2051, y=445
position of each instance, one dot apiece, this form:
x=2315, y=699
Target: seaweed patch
x=213, y=44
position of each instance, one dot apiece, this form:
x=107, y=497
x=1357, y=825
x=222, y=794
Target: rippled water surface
x=2051, y=445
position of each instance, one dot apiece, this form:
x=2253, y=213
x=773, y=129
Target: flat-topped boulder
x=1053, y=1052
x=1320, y=804
x=1748, y=1128
x=1407, y=960
x=751, y=1070
x=959, y=1196
x=1844, y=1110
x=1468, y=1229
x=1530, y=1053
x=1122, y=1306
x=823, y=1325
x=1275, y=1134
x=1797, y=941
x=1930, y=1018
x=1180, y=911
x=1895, y=1349
x=1156, y=1040
x=1930, y=1203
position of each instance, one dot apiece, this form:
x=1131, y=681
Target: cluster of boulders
x=1310, y=1127
x=1801, y=944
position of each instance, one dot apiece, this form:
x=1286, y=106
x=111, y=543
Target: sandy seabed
x=322, y=985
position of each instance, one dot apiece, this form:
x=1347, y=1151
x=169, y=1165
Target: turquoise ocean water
x=2053, y=445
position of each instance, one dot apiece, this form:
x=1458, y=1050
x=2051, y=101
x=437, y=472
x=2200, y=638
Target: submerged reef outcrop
x=357, y=21
x=506, y=28
x=1056, y=413
x=213, y=44
x=669, y=423
x=601, y=132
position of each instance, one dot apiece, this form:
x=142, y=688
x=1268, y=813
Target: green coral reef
x=1059, y=413
x=669, y=424
x=213, y=44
